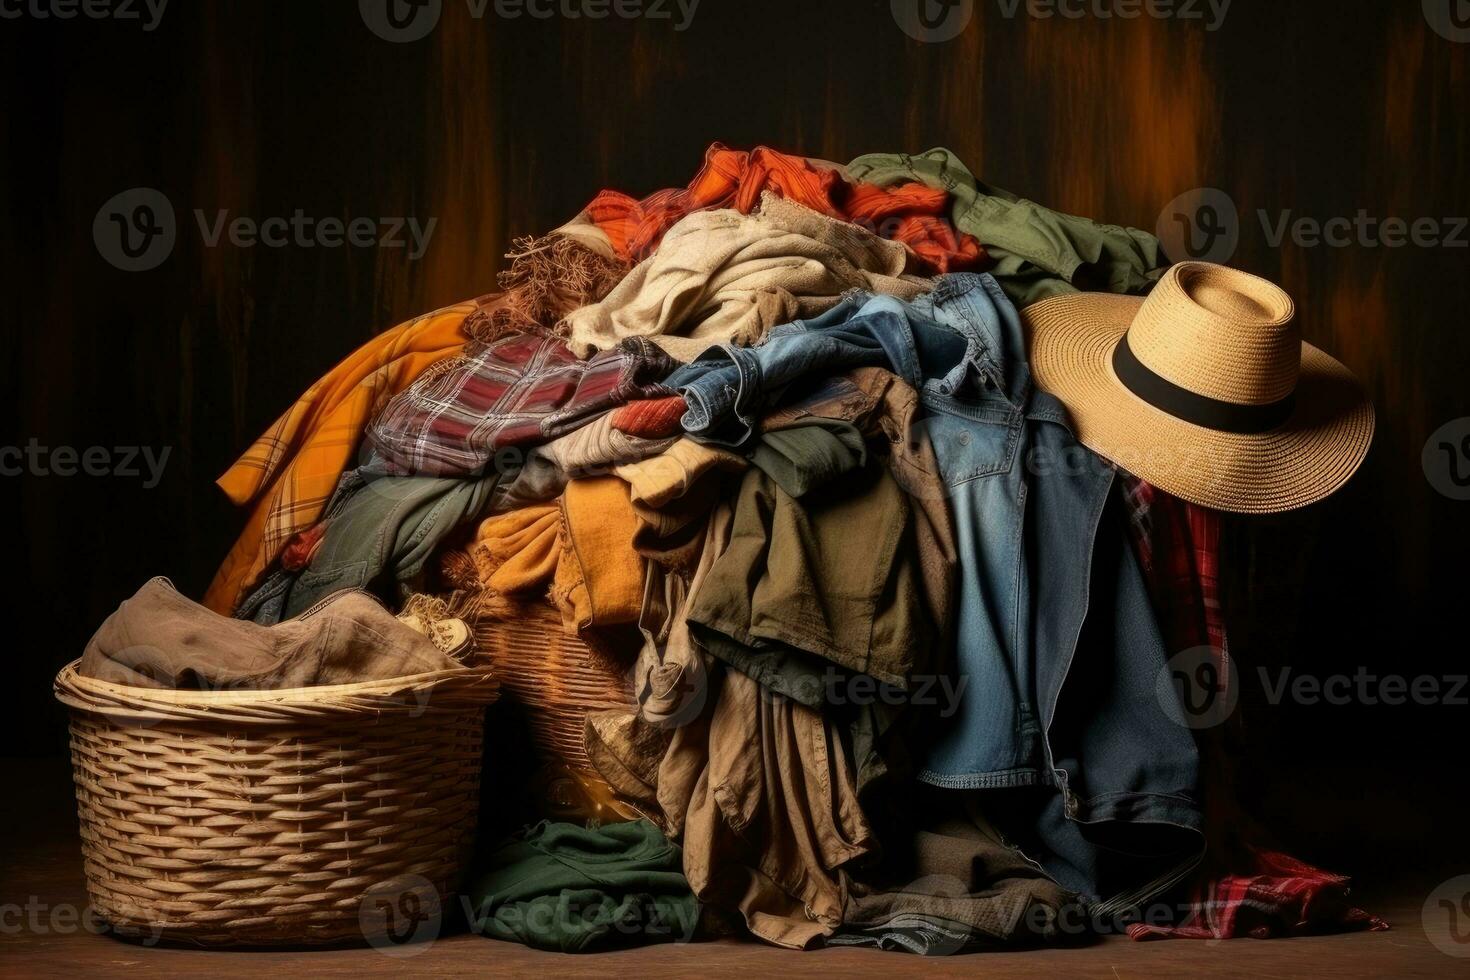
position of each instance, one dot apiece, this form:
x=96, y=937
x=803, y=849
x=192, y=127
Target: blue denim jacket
x=1049, y=589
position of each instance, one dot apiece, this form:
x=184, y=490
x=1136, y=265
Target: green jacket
x=1038, y=252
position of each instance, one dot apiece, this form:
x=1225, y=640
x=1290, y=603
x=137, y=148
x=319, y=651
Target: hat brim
x=1304, y=460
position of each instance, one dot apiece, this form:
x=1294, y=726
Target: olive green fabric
x=797, y=589
x=811, y=453
x=574, y=889
x=1038, y=252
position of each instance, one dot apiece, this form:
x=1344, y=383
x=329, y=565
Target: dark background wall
x=502, y=127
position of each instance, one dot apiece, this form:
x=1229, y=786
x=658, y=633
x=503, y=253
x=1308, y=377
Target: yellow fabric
x=599, y=581
x=579, y=551
x=290, y=471
x=518, y=552
x=660, y=479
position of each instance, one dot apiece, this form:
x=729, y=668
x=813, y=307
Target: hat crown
x=1221, y=333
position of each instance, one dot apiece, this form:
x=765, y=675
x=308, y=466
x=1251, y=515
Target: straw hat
x=1204, y=389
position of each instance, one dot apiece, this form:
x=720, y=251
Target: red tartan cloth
x=1283, y=897
x=909, y=213
x=1268, y=894
x=1178, y=545
x=516, y=392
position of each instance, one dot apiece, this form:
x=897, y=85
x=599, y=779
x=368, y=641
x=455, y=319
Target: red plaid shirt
x=1273, y=894
x=1178, y=545
x=1282, y=897
x=519, y=391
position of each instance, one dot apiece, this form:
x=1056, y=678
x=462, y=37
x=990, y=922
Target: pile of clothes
x=895, y=495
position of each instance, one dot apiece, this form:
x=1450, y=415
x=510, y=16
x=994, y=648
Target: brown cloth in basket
x=161, y=639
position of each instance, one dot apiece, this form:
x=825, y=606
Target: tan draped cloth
x=760, y=788
x=726, y=277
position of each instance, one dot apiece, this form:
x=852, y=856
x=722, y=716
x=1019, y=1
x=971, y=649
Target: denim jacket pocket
x=972, y=440
x=315, y=584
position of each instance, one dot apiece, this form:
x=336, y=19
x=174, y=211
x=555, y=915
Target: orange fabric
x=910, y=213
x=729, y=178
x=291, y=470
x=915, y=215
x=599, y=580
x=578, y=551
x=517, y=552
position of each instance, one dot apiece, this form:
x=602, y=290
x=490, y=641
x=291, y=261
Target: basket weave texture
x=557, y=677
x=267, y=818
x=560, y=680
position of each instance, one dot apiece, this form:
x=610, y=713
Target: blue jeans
x=728, y=388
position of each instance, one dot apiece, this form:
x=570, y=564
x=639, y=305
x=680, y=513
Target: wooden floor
x=40, y=866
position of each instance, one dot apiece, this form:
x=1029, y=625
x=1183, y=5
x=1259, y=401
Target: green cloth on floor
x=1038, y=252
x=571, y=889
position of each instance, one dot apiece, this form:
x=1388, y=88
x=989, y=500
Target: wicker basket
x=560, y=680
x=267, y=818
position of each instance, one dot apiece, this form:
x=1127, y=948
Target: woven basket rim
x=456, y=689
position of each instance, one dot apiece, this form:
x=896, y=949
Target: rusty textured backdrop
x=500, y=128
